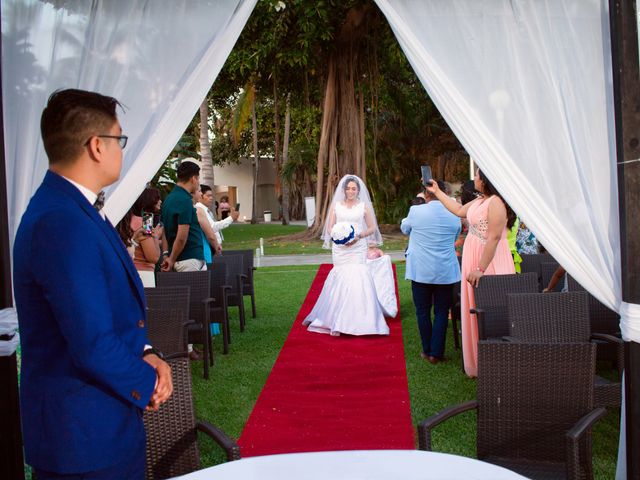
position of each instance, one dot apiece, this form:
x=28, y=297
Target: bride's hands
x=353, y=242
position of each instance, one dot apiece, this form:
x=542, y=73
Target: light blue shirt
x=431, y=256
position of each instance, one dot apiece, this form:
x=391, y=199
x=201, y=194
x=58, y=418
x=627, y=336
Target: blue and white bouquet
x=342, y=233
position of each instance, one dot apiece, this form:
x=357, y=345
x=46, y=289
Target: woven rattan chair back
x=247, y=284
x=167, y=314
x=235, y=268
x=247, y=265
x=529, y=396
x=235, y=273
x=218, y=280
x=172, y=448
x=547, y=269
x=603, y=319
x=531, y=263
x=491, y=298
x=219, y=292
x=199, y=284
x=549, y=317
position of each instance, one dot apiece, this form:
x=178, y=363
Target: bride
x=348, y=302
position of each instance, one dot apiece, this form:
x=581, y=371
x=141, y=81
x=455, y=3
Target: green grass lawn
x=243, y=236
x=227, y=398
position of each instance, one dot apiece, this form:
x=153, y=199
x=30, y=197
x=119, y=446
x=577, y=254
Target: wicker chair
x=235, y=279
x=247, y=285
x=491, y=301
x=531, y=263
x=547, y=269
x=168, y=318
x=172, y=447
x=559, y=318
x=219, y=289
x=200, y=302
x=534, y=409
x=604, y=322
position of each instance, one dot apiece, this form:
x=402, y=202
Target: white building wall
x=240, y=175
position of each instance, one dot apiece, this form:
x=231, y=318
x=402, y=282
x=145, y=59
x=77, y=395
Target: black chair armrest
x=510, y=339
x=242, y=276
x=574, y=436
x=254, y=268
x=612, y=339
x=172, y=356
x=229, y=445
x=607, y=338
x=479, y=313
x=425, y=427
x=208, y=301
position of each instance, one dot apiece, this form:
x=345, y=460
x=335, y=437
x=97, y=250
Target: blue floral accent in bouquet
x=342, y=233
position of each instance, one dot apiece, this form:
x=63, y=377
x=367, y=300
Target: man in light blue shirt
x=433, y=268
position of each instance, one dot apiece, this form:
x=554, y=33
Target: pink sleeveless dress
x=501, y=264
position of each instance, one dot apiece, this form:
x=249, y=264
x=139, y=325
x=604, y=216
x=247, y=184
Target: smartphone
x=425, y=170
x=237, y=207
x=147, y=223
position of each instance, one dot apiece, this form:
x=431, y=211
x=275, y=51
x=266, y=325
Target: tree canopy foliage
x=287, y=48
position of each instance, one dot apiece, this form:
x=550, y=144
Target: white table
x=356, y=465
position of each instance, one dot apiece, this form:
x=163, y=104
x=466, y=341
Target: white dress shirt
x=89, y=195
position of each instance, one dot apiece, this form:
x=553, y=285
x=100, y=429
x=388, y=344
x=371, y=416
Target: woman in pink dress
x=485, y=252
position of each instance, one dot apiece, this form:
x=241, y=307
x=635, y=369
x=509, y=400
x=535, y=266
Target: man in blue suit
x=433, y=268
x=87, y=369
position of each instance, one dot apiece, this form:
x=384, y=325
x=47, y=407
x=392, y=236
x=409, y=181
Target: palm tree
x=206, y=174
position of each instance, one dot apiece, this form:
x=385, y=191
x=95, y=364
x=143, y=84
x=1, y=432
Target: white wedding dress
x=349, y=302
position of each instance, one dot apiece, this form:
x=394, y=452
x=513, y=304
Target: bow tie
x=99, y=203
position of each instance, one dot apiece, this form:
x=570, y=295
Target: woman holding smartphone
x=485, y=252
x=144, y=244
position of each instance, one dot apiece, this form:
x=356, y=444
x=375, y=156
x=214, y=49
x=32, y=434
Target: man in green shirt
x=186, y=250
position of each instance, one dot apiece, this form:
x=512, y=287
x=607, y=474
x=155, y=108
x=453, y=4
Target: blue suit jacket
x=431, y=255
x=81, y=311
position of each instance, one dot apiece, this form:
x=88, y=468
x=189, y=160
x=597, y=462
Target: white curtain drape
x=526, y=88
x=158, y=57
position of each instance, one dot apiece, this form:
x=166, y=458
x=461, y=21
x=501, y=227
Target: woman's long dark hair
x=468, y=192
x=489, y=190
x=146, y=202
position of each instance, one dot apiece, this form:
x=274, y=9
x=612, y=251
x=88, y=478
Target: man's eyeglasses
x=122, y=139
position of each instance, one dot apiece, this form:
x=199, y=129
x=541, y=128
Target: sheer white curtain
x=526, y=87
x=158, y=57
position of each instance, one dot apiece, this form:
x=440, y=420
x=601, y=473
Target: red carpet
x=332, y=393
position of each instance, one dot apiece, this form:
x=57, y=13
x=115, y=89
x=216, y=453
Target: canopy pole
x=626, y=89
x=11, y=459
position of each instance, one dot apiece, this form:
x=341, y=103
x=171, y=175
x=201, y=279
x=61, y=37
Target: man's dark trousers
x=426, y=295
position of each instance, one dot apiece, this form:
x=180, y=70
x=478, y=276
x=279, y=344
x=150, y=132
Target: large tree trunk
x=256, y=162
x=343, y=116
x=206, y=174
x=285, y=158
x=276, y=141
